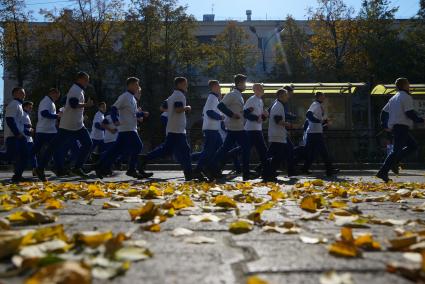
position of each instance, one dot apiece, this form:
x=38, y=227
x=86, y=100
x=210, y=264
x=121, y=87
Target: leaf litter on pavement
x=37, y=245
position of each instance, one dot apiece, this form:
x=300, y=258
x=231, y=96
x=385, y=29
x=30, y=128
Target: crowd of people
x=231, y=128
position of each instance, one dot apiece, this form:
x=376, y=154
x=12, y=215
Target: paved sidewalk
x=274, y=257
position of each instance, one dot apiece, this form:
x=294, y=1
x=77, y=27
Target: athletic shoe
x=396, y=169
x=134, y=174
x=79, y=172
x=40, y=174
x=332, y=172
x=18, y=179
x=383, y=176
x=144, y=174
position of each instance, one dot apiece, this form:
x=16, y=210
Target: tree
x=158, y=45
x=92, y=27
x=415, y=44
x=293, y=63
x=333, y=51
x=15, y=37
x=379, y=42
x=230, y=53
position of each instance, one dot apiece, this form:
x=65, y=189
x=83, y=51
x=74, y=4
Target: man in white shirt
x=278, y=137
x=232, y=107
x=27, y=106
x=315, y=142
x=210, y=126
x=98, y=131
x=46, y=128
x=255, y=115
x=71, y=128
x=125, y=114
x=401, y=118
x=16, y=143
x=176, y=141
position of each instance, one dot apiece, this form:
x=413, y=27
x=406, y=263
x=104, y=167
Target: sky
x=235, y=9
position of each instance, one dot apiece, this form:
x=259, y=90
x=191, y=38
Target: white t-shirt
x=72, y=118
x=15, y=111
x=397, y=106
x=176, y=121
x=257, y=105
x=110, y=137
x=46, y=125
x=234, y=101
x=127, y=109
x=96, y=133
x=209, y=123
x=277, y=133
x=27, y=121
x=318, y=112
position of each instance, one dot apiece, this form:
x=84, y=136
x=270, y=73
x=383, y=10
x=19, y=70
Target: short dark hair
x=16, y=89
x=53, y=90
x=318, y=94
x=288, y=88
x=131, y=80
x=82, y=75
x=179, y=80
x=281, y=92
x=101, y=103
x=212, y=83
x=239, y=78
x=27, y=103
x=399, y=83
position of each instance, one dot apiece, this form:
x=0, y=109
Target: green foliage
x=229, y=54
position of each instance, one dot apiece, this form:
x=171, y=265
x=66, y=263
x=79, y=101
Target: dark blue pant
x=43, y=139
x=175, y=144
x=31, y=156
x=212, y=142
x=232, y=138
x=99, y=144
x=316, y=144
x=64, y=137
x=17, y=151
x=277, y=154
x=256, y=139
x=404, y=144
x=127, y=142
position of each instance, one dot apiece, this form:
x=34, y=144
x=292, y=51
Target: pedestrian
x=71, y=128
x=232, y=107
x=98, y=131
x=315, y=143
x=175, y=143
x=210, y=127
x=125, y=114
x=277, y=136
x=27, y=106
x=255, y=115
x=16, y=143
x=46, y=128
x=401, y=117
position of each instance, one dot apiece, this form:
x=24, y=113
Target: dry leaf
x=145, y=213
x=110, y=205
x=225, y=201
x=200, y=240
x=255, y=280
x=241, y=227
x=207, y=217
x=313, y=240
x=177, y=232
x=334, y=278
x=92, y=238
x=64, y=273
